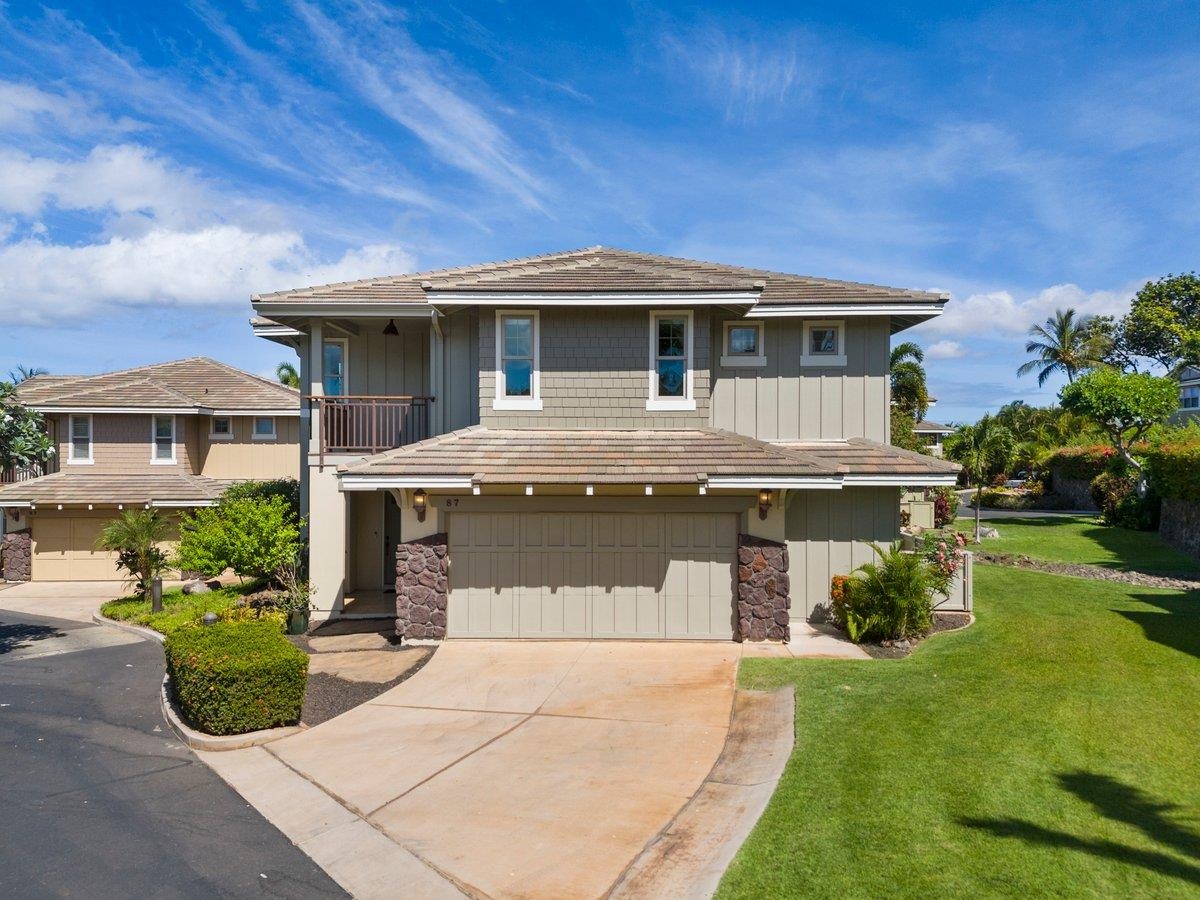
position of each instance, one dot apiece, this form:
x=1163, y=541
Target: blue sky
x=159, y=162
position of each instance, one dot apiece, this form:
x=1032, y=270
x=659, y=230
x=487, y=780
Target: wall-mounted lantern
x=765, y=496
x=420, y=503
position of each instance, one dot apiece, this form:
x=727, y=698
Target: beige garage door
x=64, y=550
x=592, y=575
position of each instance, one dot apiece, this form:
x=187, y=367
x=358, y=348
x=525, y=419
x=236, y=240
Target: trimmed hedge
x=235, y=677
x=1174, y=470
x=1083, y=463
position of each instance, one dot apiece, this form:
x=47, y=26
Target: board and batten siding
x=387, y=364
x=460, y=370
x=122, y=445
x=595, y=366
x=785, y=401
x=828, y=533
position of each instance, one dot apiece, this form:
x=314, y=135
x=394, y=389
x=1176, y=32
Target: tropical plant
x=1163, y=322
x=287, y=375
x=903, y=431
x=135, y=536
x=945, y=505
x=888, y=599
x=979, y=449
x=909, y=390
x=288, y=489
x=253, y=536
x=1065, y=343
x=1124, y=405
x=23, y=437
x=24, y=373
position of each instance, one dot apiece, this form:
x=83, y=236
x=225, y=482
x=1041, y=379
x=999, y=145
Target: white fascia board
x=271, y=310
x=949, y=478
x=290, y=411
x=277, y=331
x=845, y=309
x=351, y=482
x=182, y=504
x=777, y=482
x=133, y=410
x=590, y=298
x=15, y=504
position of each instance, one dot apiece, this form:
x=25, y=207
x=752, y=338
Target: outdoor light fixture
x=765, y=496
x=420, y=500
x=390, y=327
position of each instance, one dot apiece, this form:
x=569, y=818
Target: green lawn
x=178, y=608
x=1081, y=539
x=1050, y=749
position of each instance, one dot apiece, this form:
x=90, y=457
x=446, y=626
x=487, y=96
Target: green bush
x=1174, y=469
x=236, y=677
x=888, y=599
x=1082, y=463
x=1115, y=494
x=1001, y=498
x=254, y=536
x=287, y=489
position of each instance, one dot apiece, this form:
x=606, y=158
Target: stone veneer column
x=422, y=588
x=764, y=590
x=18, y=556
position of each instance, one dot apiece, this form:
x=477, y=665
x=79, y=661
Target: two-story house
x=596, y=444
x=171, y=436
x=1189, y=394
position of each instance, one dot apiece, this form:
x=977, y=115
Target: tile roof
x=197, y=382
x=859, y=456
x=73, y=488
x=543, y=456
x=933, y=427
x=600, y=269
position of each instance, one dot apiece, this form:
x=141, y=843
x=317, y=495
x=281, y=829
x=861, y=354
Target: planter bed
x=942, y=622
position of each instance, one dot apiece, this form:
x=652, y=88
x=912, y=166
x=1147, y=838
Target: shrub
x=287, y=489
x=945, y=506
x=235, y=677
x=944, y=555
x=1174, y=469
x=254, y=536
x=1115, y=494
x=999, y=479
x=1082, y=463
x=1001, y=498
x=134, y=536
x=888, y=599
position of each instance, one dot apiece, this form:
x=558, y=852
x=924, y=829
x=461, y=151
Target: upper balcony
x=366, y=425
x=16, y=474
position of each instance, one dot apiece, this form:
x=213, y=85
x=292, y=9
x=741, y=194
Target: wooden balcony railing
x=368, y=425
x=16, y=474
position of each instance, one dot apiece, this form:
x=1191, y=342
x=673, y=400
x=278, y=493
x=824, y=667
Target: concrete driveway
x=73, y=600
x=533, y=769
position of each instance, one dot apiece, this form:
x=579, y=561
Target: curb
x=197, y=740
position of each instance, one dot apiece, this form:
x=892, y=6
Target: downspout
x=436, y=375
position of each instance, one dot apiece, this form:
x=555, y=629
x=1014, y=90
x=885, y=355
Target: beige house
x=171, y=436
x=933, y=435
x=596, y=443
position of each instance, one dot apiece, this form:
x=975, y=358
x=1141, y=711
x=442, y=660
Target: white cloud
x=1002, y=313
x=945, y=350
x=43, y=282
x=25, y=109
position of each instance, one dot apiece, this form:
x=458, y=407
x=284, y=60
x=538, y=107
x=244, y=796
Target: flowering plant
x=944, y=553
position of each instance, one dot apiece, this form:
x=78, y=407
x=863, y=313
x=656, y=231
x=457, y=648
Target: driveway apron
x=505, y=769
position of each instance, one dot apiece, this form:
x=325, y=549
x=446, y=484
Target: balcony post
x=436, y=371
x=316, y=387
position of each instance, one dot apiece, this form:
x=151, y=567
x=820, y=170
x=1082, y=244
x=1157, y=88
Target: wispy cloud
x=1003, y=313
x=945, y=350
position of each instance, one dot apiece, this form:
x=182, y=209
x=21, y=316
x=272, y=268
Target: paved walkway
x=72, y=600
x=515, y=768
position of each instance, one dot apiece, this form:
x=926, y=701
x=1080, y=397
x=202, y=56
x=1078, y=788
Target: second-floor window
x=80, y=450
x=1189, y=398
x=221, y=428
x=264, y=428
x=517, y=361
x=824, y=344
x=671, y=361
x=743, y=345
x=163, y=452
x=333, y=360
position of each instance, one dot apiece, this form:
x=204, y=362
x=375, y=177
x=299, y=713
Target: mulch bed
x=327, y=695
x=942, y=621
x=1085, y=570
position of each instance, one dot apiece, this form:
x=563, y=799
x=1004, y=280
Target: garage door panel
x=64, y=549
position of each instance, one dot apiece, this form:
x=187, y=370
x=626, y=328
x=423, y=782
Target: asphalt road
x=99, y=797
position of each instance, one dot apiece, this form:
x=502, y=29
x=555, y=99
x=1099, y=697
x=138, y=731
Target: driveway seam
x=547, y=715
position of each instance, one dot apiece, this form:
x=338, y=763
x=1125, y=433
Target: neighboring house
x=1189, y=393
x=932, y=435
x=171, y=436
x=596, y=443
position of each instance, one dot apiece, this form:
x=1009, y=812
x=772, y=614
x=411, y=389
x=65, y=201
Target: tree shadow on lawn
x=1177, y=626
x=14, y=637
x=1120, y=803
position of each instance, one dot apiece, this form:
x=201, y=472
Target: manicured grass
x=1050, y=749
x=178, y=608
x=1082, y=539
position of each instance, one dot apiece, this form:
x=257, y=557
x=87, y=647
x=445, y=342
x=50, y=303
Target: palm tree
x=24, y=373
x=135, y=537
x=909, y=391
x=287, y=375
x=1063, y=343
x=980, y=448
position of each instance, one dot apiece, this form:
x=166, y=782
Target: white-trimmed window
x=824, y=344
x=334, y=368
x=671, y=361
x=79, y=451
x=264, y=428
x=518, y=360
x=221, y=428
x=162, y=440
x=1189, y=397
x=743, y=345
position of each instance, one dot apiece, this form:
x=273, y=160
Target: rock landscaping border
x=1086, y=570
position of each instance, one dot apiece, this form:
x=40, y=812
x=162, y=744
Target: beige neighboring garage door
x=592, y=575
x=64, y=549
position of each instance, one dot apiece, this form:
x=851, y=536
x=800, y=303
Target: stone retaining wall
x=422, y=588
x=1076, y=492
x=764, y=590
x=1180, y=526
x=18, y=556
